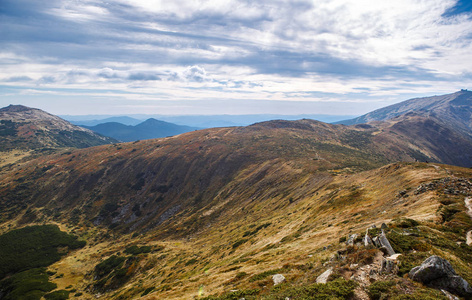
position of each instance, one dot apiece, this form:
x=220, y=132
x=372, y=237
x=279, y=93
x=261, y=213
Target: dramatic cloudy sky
x=231, y=56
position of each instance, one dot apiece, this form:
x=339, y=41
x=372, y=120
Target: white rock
x=323, y=278
x=394, y=257
x=278, y=279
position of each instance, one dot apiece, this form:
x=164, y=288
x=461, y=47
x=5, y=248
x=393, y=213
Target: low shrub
x=135, y=250
x=33, y=247
x=57, y=295
x=378, y=289
x=31, y=284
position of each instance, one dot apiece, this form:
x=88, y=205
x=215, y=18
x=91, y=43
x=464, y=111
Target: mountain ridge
x=30, y=128
x=454, y=109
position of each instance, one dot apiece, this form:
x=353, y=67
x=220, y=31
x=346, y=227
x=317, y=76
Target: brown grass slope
x=294, y=234
x=219, y=206
x=25, y=130
x=142, y=185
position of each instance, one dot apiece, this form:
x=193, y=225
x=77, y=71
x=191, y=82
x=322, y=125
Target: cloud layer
x=144, y=52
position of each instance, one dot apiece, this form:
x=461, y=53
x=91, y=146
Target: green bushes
x=108, y=265
x=33, y=247
x=114, y=272
x=7, y=128
x=31, y=285
x=378, y=288
x=247, y=294
x=336, y=289
x=29, y=249
x=135, y=250
x=406, y=223
x=191, y=261
x=147, y=291
x=265, y=274
x=57, y=295
x=239, y=243
x=256, y=230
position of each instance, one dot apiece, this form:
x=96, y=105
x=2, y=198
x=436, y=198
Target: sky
x=180, y=57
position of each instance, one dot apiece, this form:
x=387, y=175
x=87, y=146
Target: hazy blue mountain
x=243, y=120
x=118, y=119
x=201, y=121
x=149, y=129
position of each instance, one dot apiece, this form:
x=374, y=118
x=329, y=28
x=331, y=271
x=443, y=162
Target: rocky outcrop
x=439, y=273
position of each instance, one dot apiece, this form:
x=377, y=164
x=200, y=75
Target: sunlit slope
x=141, y=185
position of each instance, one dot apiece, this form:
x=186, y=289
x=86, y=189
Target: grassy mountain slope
x=428, y=139
x=29, y=128
x=25, y=131
x=294, y=234
x=453, y=109
x=141, y=185
x=149, y=129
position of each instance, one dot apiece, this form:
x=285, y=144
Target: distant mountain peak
x=454, y=109
x=148, y=129
x=32, y=128
x=15, y=108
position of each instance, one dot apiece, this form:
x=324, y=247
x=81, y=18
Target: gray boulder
x=434, y=267
x=323, y=278
x=376, y=242
x=385, y=243
x=439, y=273
x=388, y=266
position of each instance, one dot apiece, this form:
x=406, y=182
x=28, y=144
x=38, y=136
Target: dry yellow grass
x=349, y=204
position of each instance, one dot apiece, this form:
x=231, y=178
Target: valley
x=215, y=213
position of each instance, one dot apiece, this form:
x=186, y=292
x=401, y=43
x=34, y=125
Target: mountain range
x=149, y=129
x=199, y=121
x=118, y=119
x=215, y=213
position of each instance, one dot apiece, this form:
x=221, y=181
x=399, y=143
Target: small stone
x=278, y=279
x=351, y=239
x=394, y=257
